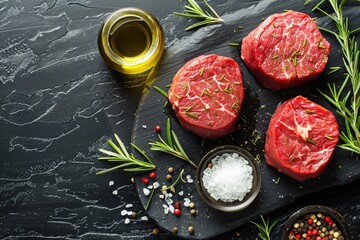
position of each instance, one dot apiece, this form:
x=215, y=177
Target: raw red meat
x=207, y=94
x=286, y=50
x=301, y=138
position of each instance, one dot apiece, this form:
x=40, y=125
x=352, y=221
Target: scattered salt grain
x=129, y=205
x=111, y=183
x=144, y=126
x=124, y=212
x=229, y=179
x=166, y=209
x=146, y=191
x=161, y=196
x=186, y=202
x=168, y=200
x=156, y=185
x=127, y=221
x=181, y=193
x=115, y=192
x=150, y=187
x=144, y=218
x=171, y=208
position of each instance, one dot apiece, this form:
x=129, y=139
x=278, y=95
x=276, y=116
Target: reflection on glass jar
x=131, y=41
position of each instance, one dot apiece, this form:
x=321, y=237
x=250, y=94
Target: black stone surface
x=59, y=103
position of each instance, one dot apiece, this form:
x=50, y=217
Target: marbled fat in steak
x=206, y=95
x=301, y=138
x=286, y=50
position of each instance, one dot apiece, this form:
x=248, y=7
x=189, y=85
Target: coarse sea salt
x=229, y=179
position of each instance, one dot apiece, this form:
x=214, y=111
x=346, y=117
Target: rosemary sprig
x=265, y=227
x=128, y=162
x=172, y=146
x=195, y=11
x=346, y=103
x=172, y=186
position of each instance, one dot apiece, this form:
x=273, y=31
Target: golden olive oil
x=131, y=39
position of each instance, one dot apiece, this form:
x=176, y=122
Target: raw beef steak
x=286, y=50
x=206, y=95
x=301, y=138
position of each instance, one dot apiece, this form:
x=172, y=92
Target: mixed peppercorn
x=315, y=227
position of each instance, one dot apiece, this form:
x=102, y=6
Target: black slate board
x=257, y=109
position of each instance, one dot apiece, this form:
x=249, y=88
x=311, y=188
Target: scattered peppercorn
x=177, y=211
x=192, y=205
x=152, y=175
x=155, y=231
x=193, y=212
x=145, y=180
x=170, y=170
x=210, y=165
x=175, y=230
x=178, y=205
x=168, y=177
x=191, y=229
x=133, y=215
x=157, y=128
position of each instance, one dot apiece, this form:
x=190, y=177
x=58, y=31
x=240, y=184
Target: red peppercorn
x=152, y=175
x=308, y=238
x=298, y=236
x=178, y=205
x=309, y=233
x=330, y=222
x=177, y=211
x=327, y=218
x=157, y=128
x=145, y=180
x=318, y=238
x=310, y=221
x=314, y=232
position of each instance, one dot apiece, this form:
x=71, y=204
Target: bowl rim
x=229, y=206
x=338, y=219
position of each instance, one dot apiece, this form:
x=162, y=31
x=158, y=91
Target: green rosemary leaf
x=161, y=91
x=168, y=133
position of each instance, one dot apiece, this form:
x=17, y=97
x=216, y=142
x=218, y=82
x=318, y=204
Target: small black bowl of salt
x=228, y=178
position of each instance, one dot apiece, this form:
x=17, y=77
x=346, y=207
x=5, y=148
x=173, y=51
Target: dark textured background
x=58, y=105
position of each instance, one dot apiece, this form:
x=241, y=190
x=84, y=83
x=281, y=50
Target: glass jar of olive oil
x=131, y=41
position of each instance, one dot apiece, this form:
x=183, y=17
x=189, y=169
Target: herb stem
x=195, y=11
x=348, y=103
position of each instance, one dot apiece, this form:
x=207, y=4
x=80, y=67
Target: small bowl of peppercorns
x=315, y=222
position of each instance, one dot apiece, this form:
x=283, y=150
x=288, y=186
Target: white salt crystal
x=230, y=178
x=161, y=196
x=127, y=221
x=115, y=192
x=181, y=193
x=171, y=208
x=188, y=177
x=168, y=200
x=129, y=213
x=170, y=194
x=156, y=185
x=111, y=183
x=166, y=209
x=150, y=187
x=146, y=191
x=129, y=205
x=123, y=212
x=190, y=180
x=144, y=126
x=144, y=218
